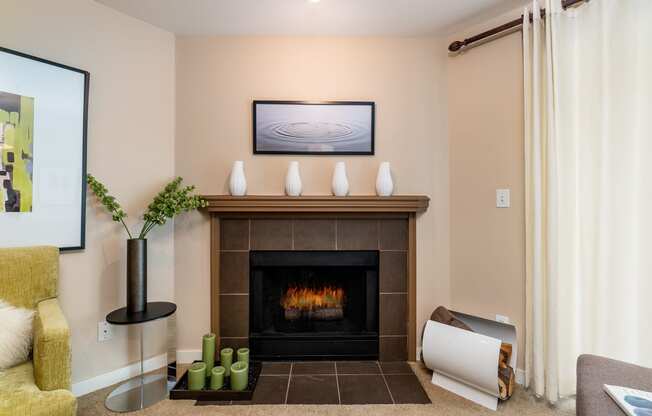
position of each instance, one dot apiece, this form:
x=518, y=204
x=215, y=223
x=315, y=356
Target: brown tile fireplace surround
x=387, y=225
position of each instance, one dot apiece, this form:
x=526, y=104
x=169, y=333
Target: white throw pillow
x=15, y=334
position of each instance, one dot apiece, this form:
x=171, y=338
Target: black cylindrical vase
x=136, y=275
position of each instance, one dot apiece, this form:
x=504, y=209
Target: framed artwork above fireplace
x=314, y=127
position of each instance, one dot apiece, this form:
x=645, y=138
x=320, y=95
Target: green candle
x=243, y=355
x=226, y=359
x=197, y=376
x=217, y=377
x=208, y=352
x=239, y=375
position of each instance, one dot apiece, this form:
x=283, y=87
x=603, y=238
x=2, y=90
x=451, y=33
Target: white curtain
x=588, y=151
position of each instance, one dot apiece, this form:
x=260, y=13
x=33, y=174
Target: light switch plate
x=502, y=198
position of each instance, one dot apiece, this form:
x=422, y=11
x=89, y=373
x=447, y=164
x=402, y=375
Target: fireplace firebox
x=313, y=304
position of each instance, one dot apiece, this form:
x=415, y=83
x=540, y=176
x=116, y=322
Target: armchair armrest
x=51, y=347
x=38, y=403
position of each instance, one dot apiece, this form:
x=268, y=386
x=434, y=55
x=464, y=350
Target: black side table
x=143, y=391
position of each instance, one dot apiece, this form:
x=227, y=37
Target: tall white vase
x=238, y=181
x=384, y=182
x=293, y=185
x=340, y=184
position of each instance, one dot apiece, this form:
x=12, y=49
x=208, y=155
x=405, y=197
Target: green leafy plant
x=171, y=201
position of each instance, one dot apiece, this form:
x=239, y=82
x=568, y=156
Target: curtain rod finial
x=456, y=46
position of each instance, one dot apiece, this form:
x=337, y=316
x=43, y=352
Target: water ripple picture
x=313, y=128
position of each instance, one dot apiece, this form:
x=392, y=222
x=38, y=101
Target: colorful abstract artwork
x=16, y=152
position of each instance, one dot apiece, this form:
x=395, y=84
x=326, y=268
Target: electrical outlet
x=502, y=318
x=104, y=332
x=502, y=198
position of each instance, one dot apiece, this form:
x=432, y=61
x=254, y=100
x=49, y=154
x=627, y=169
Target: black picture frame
x=84, y=144
x=258, y=151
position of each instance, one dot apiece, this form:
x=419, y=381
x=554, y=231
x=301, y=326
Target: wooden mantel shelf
x=352, y=204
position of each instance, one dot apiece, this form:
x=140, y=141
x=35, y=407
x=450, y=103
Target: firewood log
x=444, y=316
x=326, y=314
x=506, y=382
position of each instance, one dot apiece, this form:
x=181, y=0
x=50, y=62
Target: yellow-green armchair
x=28, y=278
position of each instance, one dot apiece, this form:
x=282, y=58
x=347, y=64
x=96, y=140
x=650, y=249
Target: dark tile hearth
x=364, y=389
x=342, y=382
x=406, y=389
x=271, y=389
x=276, y=368
x=357, y=367
x=395, y=368
x=313, y=367
x=315, y=389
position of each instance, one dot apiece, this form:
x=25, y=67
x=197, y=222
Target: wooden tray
x=180, y=390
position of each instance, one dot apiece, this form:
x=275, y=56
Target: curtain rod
x=459, y=44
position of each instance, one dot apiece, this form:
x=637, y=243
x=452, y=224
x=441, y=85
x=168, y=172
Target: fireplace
x=382, y=225
x=314, y=304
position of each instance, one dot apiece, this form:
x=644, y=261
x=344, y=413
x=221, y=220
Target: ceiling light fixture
x=313, y=1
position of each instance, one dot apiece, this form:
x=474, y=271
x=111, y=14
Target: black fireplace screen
x=314, y=304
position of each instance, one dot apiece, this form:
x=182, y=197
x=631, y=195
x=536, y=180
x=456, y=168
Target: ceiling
x=302, y=17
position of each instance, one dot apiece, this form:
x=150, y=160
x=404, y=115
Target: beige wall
x=217, y=78
x=130, y=147
x=487, y=246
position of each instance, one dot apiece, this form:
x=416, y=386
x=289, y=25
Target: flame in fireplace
x=310, y=299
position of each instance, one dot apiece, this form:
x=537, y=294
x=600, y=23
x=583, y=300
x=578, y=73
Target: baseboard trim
x=188, y=356
x=121, y=374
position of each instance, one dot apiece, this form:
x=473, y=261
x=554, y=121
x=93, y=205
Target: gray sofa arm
x=593, y=372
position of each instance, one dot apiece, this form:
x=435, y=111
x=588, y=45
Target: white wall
x=130, y=148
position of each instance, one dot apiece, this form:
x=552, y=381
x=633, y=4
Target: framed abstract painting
x=314, y=127
x=43, y=128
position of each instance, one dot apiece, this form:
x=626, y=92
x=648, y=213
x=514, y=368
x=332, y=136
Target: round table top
x=155, y=310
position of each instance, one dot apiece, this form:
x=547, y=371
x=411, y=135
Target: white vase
x=340, y=184
x=293, y=185
x=238, y=182
x=384, y=183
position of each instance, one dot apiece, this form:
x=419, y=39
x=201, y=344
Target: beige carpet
x=443, y=403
